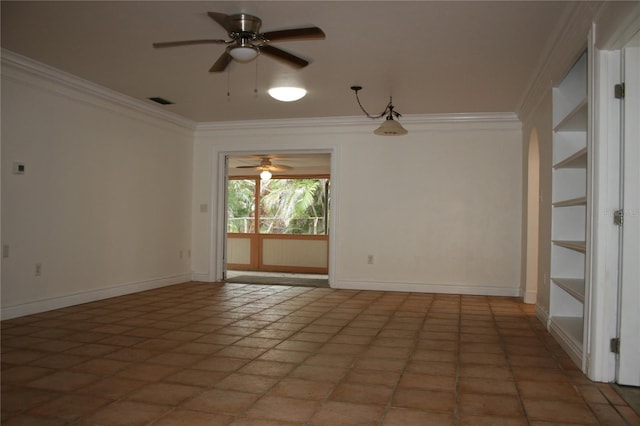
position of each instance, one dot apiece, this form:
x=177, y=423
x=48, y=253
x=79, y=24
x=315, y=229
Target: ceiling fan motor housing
x=245, y=25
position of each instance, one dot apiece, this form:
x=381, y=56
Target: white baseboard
x=43, y=305
x=429, y=288
x=530, y=297
x=542, y=315
x=199, y=276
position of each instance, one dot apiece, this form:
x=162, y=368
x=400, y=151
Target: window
x=241, y=206
x=287, y=206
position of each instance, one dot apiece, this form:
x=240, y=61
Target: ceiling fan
x=266, y=165
x=246, y=41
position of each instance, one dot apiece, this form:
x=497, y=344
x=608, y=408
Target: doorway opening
x=277, y=219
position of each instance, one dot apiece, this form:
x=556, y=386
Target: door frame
x=628, y=371
x=219, y=222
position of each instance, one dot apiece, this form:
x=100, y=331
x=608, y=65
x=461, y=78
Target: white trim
x=530, y=297
x=572, y=348
x=507, y=118
x=81, y=297
x=567, y=42
x=200, y=276
x=54, y=75
x=542, y=315
x=485, y=290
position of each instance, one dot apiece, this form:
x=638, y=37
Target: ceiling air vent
x=161, y=101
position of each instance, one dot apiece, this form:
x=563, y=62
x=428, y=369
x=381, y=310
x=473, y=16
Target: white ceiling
x=432, y=57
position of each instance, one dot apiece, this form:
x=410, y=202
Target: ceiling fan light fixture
x=244, y=53
x=287, y=94
x=265, y=175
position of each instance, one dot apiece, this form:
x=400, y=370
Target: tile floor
x=218, y=354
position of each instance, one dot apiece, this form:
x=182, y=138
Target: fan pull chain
x=255, y=88
x=228, y=86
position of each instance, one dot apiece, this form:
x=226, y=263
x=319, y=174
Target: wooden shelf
x=580, y=246
x=576, y=161
x=573, y=286
x=575, y=120
x=580, y=201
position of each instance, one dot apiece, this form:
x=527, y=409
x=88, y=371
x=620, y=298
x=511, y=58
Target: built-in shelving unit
x=570, y=247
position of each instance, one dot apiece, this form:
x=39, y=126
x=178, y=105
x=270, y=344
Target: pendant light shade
x=390, y=127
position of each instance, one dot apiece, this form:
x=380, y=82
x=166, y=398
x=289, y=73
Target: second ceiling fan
x=246, y=41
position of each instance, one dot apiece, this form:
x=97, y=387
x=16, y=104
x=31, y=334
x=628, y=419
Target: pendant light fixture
x=389, y=127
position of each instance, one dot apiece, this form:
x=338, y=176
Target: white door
x=629, y=359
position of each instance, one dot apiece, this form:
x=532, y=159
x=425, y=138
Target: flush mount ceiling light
x=287, y=94
x=390, y=127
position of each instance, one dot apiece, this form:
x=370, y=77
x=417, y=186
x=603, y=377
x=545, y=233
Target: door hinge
x=618, y=91
x=618, y=217
x=615, y=345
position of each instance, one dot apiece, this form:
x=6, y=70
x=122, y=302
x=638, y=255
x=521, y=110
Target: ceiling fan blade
x=279, y=168
x=283, y=56
x=187, y=43
x=247, y=167
x=311, y=33
x=222, y=19
x=222, y=62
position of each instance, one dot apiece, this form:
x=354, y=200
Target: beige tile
x=362, y=393
x=70, y=407
x=563, y=391
x=347, y=414
x=467, y=420
x=427, y=381
x=489, y=405
x=283, y=409
x=64, y=381
x=163, y=393
x=17, y=399
x=487, y=386
x=126, y=413
x=424, y=400
x=200, y=353
x=302, y=389
x=182, y=417
x=408, y=416
x=267, y=368
x=318, y=373
x=559, y=411
x=249, y=383
x=113, y=387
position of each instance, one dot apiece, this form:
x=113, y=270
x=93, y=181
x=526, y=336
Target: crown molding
x=508, y=118
x=566, y=44
x=67, y=80
x=54, y=75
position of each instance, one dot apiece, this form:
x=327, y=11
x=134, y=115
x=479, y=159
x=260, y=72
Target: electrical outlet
x=38, y=269
x=5, y=251
x=370, y=259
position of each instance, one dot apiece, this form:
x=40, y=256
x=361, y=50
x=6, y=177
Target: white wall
x=439, y=209
x=105, y=203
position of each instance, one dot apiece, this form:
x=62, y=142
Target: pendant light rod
x=390, y=127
